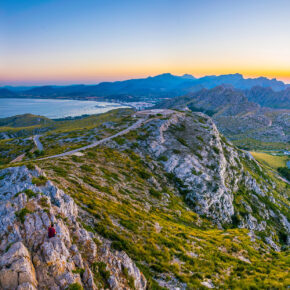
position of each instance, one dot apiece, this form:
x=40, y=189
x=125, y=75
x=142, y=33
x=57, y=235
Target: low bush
x=155, y=193
x=22, y=213
x=39, y=181
x=75, y=286
x=30, y=193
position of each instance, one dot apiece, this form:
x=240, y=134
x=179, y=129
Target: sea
x=54, y=108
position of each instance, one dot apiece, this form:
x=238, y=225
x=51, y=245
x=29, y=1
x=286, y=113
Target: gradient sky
x=88, y=41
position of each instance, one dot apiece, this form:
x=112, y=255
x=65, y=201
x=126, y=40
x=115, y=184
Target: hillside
x=267, y=97
x=237, y=117
x=24, y=121
x=56, y=135
x=169, y=204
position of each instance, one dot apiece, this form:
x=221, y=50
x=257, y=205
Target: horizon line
x=89, y=83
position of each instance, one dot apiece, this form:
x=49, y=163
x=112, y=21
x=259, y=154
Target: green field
x=270, y=160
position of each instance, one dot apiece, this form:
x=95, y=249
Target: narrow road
x=134, y=126
x=37, y=142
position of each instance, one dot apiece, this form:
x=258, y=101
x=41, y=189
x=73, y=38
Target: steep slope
x=235, y=115
x=29, y=260
x=267, y=97
x=186, y=206
x=218, y=181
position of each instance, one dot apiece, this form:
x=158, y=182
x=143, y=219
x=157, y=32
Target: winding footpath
x=132, y=127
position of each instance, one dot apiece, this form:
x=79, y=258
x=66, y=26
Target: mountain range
x=269, y=92
x=237, y=116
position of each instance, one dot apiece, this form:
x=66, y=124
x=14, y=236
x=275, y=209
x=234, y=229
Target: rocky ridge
x=218, y=181
x=29, y=260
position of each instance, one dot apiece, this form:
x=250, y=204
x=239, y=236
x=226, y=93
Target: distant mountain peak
x=188, y=76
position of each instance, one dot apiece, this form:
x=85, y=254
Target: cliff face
x=219, y=181
x=30, y=260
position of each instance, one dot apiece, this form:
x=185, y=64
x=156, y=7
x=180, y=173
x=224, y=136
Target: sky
x=89, y=41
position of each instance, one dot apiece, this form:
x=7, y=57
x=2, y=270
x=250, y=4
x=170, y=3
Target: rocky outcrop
x=219, y=181
x=30, y=260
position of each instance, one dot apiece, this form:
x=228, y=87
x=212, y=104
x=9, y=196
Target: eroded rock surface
x=30, y=260
x=219, y=181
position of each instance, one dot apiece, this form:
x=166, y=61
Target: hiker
x=51, y=231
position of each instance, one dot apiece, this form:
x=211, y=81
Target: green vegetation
x=22, y=213
x=284, y=171
x=79, y=271
x=143, y=210
x=44, y=202
x=162, y=158
x=57, y=135
x=155, y=193
x=30, y=193
x=270, y=160
x=182, y=141
x=39, y=181
x=184, y=245
x=75, y=286
x=216, y=150
x=101, y=273
x=250, y=144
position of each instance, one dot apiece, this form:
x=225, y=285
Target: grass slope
x=153, y=224
x=272, y=161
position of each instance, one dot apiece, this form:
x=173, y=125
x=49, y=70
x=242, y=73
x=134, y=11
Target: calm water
x=53, y=108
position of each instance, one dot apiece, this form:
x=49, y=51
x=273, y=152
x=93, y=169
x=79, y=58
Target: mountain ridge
x=159, y=86
x=173, y=200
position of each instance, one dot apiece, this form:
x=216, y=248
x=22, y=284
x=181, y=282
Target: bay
x=54, y=108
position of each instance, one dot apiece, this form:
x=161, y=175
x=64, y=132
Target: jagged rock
x=211, y=172
x=16, y=267
x=55, y=260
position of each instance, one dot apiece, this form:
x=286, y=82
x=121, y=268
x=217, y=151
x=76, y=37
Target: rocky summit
x=169, y=203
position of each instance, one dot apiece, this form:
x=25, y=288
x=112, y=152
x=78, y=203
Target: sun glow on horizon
x=69, y=42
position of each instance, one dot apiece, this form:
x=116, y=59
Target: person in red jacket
x=51, y=231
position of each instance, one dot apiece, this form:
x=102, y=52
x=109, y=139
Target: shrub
x=162, y=158
x=182, y=141
x=101, y=272
x=75, y=158
x=22, y=213
x=87, y=168
x=216, y=150
x=129, y=278
x=30, y=166
x=44, y=202
x=60, y=171
x=201, y=120
x=155, y=193
x=79, y=271
x=39, y=181
x=38, y=153
x=143, y=174
x=29, y=193
x=75, y=286
x=119, y=140
x=200, y=138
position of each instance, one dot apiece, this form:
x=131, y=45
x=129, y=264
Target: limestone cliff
x=218, y=180
x=30, y=260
